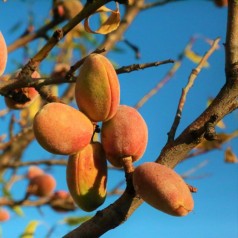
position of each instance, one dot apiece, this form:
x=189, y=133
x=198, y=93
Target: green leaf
x=195, y=58
x=18, y=210
x=73, y=220
x=6, y=192
x=30, y=229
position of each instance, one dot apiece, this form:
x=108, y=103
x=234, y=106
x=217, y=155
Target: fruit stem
x=129, y=169
x=127, y=164
x=192, y=188
x=95, y=132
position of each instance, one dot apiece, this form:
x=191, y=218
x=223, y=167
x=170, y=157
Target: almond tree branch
x=69, y=78
x=176, y=151
x=224, y=103
x=108, y=218
x=133, y=67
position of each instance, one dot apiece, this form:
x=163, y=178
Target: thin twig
x=39, y=83
x=48, y=162
x=185, y=90
x=26, y=202
x=134, y=67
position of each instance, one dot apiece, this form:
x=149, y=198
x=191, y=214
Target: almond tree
x=27, y=90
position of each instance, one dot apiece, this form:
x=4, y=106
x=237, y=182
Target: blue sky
x=160, y=33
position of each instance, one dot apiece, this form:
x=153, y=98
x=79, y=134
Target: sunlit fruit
x=62, y=129
x=126, y=134
x=163, y=189
x=97, y=90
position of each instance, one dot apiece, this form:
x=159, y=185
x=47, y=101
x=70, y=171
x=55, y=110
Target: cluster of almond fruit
x=62, y=129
